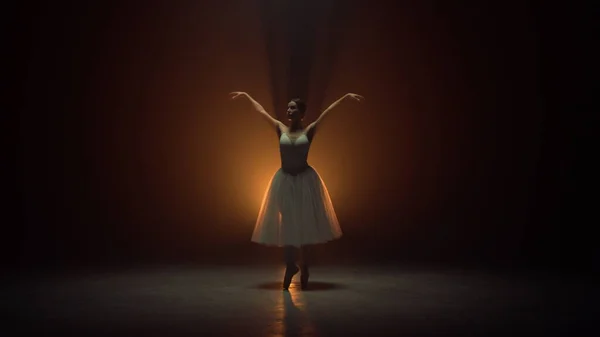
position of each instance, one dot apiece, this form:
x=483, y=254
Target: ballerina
x=296, y=211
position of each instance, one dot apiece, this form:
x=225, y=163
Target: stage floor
x=342, y=301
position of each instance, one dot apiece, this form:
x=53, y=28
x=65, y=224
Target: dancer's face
x=294, y=115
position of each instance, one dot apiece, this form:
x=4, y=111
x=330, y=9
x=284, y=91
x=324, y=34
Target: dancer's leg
x=290, y=255
x=306, y=252
x=291, y=267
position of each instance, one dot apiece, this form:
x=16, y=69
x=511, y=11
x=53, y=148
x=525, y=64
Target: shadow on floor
x=312, y=286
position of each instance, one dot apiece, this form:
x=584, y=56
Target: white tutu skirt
x=296, y=211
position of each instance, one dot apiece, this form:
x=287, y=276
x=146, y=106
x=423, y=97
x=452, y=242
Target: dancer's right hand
x=237, y=94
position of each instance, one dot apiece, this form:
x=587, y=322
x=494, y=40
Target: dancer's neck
x=296, y=126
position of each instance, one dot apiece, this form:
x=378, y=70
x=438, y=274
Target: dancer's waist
x=295, y=170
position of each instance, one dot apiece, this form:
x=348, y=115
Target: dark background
x=465, y=151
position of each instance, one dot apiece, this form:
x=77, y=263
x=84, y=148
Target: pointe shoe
x=290, y=271
x=304, y=278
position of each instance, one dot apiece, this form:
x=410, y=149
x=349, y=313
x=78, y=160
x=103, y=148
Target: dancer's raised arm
x=257, y=107
x=333, y=105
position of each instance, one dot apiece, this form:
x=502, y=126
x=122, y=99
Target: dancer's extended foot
x=290, y=271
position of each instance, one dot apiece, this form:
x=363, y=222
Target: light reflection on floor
x=249, y=301
x=292, y=316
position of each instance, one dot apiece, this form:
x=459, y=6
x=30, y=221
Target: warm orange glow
x=346, y=151
x=129, y=135
x=201, y=159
